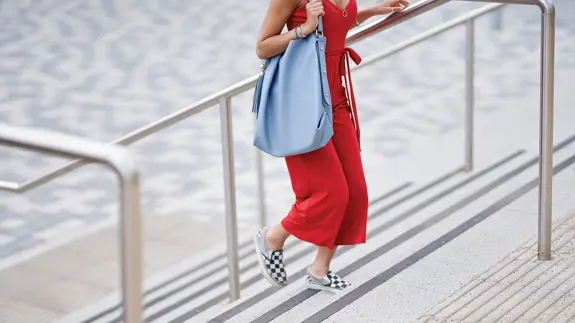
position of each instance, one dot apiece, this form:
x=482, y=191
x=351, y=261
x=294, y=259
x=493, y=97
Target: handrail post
x=230, y=197
x=261, y=188
x=131, y=246
x=546, y=129
x=469, y=91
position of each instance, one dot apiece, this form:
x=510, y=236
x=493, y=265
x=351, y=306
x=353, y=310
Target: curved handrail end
x=122, y=160
x=547, y=7
x=54, y=143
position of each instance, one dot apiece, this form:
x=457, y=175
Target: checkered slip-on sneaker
x=271, y=262
x=330, y=282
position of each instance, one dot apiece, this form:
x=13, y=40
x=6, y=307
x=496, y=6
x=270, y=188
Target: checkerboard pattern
x=337, y=282
x=275, y=268
x=329, y=282
x=271, y=262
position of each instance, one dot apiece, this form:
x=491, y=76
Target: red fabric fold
x=345, y=71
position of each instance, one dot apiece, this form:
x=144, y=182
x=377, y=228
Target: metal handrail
x=546, y=90
x=123, y=163
x=223, y=98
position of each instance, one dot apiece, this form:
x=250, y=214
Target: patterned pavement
x=103, y=68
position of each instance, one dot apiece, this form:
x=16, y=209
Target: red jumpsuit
x=329, y=183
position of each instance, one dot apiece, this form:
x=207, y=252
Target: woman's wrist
x=299, y=32
x=305, y=29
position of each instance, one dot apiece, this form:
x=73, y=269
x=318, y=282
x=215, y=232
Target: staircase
x=424, y=241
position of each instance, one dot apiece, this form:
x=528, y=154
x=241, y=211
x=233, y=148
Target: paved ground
x=104, y=68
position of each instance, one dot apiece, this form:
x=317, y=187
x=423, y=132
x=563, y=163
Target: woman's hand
x=384, y=8
x=314, y=10
x=389, y=6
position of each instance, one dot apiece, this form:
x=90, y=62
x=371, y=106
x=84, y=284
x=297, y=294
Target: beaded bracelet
x=296, y=34
x=300, y=32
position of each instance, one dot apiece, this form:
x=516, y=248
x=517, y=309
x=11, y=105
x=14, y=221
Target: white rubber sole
x=262, y=265
x=323, y=288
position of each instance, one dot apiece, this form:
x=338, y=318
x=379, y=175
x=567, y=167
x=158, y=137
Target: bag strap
x=320, y=23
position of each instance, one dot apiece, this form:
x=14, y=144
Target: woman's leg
x=321, y=277
x=352, y=229
x=321, y=265
x=276, y=237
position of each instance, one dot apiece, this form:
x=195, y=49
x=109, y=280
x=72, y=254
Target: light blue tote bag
x=292, y=101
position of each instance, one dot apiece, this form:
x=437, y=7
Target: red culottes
x=330, y=189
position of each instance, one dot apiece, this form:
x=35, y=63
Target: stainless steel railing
x=123, y=163
x=546, y=92
x=223, y=99
x=468, y=20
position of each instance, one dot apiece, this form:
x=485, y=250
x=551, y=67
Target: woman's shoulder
x=294, y=5
x=299, y=4
x=298, y=15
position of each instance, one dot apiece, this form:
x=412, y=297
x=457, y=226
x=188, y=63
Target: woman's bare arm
x=384, y=8
x=363, y=15
x=270, y=41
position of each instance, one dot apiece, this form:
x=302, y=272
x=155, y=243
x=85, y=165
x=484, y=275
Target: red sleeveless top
x=336, y=24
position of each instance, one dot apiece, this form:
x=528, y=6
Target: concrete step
x=388, y=254
x=488, y=236
x=402, y=221
x=204, y=287
x=46, y=286
x=199, y=275
x=393, y=217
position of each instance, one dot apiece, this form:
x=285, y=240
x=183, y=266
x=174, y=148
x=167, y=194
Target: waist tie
x=345, y=72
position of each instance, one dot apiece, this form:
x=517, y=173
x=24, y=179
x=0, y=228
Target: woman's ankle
x=274, y=240
x=319, y=270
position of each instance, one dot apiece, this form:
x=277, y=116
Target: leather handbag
x=292, y=102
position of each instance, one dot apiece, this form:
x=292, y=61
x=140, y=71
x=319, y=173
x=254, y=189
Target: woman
x=329, y=183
